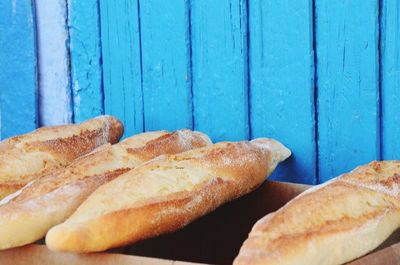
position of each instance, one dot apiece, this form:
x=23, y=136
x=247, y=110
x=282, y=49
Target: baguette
x=332, y=223
x=166, y=194
x=26, y=157
x=27, y=215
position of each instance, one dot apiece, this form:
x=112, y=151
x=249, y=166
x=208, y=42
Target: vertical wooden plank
x=390, y=70
x=121, y=62
x=53, y=62
x=166, y=64
x=18, y=83
x=347, y=50
x=0, y=120
x=219, y=61
x=85, y=52
x=282, y=82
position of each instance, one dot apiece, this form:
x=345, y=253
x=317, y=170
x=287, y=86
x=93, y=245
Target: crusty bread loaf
x=165, y=194
x=26, y=157
x=27, y=215
x=332, y=223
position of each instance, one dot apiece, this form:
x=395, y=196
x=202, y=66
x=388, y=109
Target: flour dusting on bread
x=331, y=223
x=52, y=198
x=27, y=157
x=165, y=194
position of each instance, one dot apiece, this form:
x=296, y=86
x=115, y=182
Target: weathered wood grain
x=121, y=63
x=219, y=66
x=18, y=64
x=348, y=91
x=53, y=60
x=85, y=52
x=282, y=82
x=390, y=74
x=235, y=69
x=166, y=64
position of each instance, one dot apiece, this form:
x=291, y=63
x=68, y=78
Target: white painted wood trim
x=52, y=42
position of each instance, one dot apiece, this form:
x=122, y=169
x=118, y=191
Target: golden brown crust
x=26, y=157
x=8, y=188
x=55, y=181
x=171, y=143
x=50, y=199
x=165, y=194
x=343, y=219
x=173, y=208
x=388, y=179
x=68, y=149
x=117, y=158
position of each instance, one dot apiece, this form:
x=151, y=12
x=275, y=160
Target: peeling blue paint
x=348, y=85
x=219, y=65
x=282, y=82
x=321, y=76
x=18, y=63
x=85, y=53
x=120, y=41
x=165, y=64
x=390, y=78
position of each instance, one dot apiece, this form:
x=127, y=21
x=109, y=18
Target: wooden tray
x=213, y=239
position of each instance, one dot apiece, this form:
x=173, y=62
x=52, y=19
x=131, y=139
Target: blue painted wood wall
x=321, y=76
